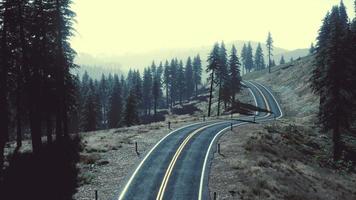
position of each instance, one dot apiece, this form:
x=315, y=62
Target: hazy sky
x=133, y=26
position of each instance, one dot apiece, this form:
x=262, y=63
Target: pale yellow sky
x=134, y=26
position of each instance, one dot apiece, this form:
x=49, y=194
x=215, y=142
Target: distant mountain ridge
x=142, y=60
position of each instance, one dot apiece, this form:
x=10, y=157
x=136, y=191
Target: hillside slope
x=283, y=159
x=290, y=82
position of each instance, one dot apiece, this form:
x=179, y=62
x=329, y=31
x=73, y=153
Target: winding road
x=177, y=167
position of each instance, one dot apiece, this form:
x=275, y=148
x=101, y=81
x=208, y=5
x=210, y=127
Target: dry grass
x=278, y=161
x=109, y=156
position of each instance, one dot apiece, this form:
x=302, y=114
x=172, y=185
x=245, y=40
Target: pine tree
x=234, y=74
x=147, y=90
x=4, y=90
x=174, y=87
x=90, y=109
x=282, y=61
x=269, y=44
x=259, y=58
x=213, y=64
x=197, y=73
x=104, y=93
x=137, y=89
x=189, y=79
x=331, y=79
x=131, y=111
x=249, y=58
x=157, y=86
x=221, y=77
x=166, y=81
x=180, y=82
x=115, y=106
x=244, y=57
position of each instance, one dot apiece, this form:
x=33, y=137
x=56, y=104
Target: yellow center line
x=174, y=160
x=264, y=99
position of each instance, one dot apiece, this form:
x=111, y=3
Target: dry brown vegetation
x=286, y=159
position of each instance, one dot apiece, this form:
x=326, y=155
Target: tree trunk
x=211, y=92
x=18, y=130
x=4, y=110
x=59, y=130
x=337, y=144
x=269, y=61
x=219, y=98
x=49, y=129
x=35, y=125
x=196, y=90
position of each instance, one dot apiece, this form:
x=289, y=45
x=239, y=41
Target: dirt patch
x=281, y=160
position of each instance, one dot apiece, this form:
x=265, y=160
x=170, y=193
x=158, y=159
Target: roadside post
x=136, y=148
x=215, y=196
x=254, y=118
x=169, y=125
x=219, y=152
x=96, y=194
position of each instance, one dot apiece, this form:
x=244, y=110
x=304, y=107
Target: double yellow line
x=174, y=160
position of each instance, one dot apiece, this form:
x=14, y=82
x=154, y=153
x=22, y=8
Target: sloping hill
x=285, y=159
x=291, y=84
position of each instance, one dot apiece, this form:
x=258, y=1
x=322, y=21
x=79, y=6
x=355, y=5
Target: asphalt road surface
x=178, y=166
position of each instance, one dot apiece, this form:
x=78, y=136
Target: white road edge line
x=147, y=155
x=280, y=110
x=254, y=98
x=264, y=99
x=170, y=167
x=220, y=132
x=207, y=156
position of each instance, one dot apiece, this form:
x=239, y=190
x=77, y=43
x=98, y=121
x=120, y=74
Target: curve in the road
x=176, y=167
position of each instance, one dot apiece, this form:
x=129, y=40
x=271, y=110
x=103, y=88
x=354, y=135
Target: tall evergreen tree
x=157, y=86
x=331, y=79
x=269, y=44
x=180, y=82
x=4, y=71
x=166, y=81
x=197, y=73
x=147, y=90
x=90, y=110
x=259, y=58
x=174, y=87
x=213, y=64
x=249, y=58
x=131, y=116
x=115, y=106
x=221, y=77
x=234, y=74
x=189, y=79
x=244, y=57
x=104, y=93
x=282, y=61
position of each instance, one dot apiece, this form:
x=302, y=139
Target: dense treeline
x=115, y=101
x=224, y=73
x=37, y=95
x=36, y=89
x=256, y=61
x=334, y=78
